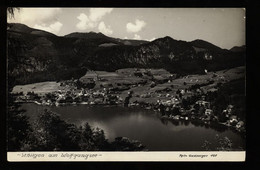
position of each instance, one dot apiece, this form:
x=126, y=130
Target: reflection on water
x=196, y=123
x=144, y=125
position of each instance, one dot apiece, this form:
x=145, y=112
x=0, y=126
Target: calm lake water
x=143, y=125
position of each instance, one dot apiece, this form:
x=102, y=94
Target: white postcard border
x=180, y=156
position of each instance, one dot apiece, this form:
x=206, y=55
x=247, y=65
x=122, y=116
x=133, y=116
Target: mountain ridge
x=41, y=56
x=22, y=28
x=238, y=48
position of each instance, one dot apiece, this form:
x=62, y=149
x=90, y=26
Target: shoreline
x=191, y=97
x=169, y=118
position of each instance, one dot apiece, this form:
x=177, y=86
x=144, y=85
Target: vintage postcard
x=126, y=84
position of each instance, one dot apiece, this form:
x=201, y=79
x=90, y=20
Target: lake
x=144, y=125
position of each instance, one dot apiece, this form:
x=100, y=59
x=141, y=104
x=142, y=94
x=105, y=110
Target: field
x=39, y=88
x=144, y=83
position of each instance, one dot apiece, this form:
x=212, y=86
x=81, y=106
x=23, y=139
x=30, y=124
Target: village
x=175, y=98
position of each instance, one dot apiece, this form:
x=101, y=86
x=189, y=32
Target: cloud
x=84, y=22
x=32, y=16
x=139, y=24
x=104, y=29
x=137, y=37
x=97, y=13
x=91, y=20
x=54, y=28
x=39, y=18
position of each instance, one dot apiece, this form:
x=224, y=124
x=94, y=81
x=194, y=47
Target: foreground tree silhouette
x=18, y=127
x=93, y=139
x=223, y=144
x=50, y=133
x=53, y=134
x=10, y=11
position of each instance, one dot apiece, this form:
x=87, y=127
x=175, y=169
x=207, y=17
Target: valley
x=188, y=97
x=59, y=84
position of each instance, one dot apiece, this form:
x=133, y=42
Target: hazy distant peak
x=238, y=48
x=201, y=43
x=22, y=28
x=87, y=35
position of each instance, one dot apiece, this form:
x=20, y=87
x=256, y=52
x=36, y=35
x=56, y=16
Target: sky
x=224, y=27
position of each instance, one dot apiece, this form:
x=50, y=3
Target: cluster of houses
x=201, y=110
x=72, y=97
x=171, y=107
x=232, y=120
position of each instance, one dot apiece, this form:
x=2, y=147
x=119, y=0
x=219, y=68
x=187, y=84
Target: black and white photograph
x=136, y=80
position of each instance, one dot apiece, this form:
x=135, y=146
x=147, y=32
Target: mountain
x=238, y=49
x=131, y=42
x=21, y=28
x=204, y=44
x=100, y=36
x=35, y=55
x=90, y=35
